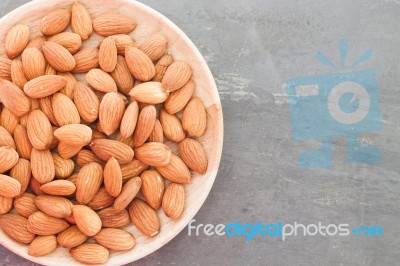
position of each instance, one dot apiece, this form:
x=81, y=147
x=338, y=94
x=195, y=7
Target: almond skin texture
x=55, y=206
x=5, y=68
x=144, y=217
x=177, y=100
x=63, y=167
x=33, y=63
x=42, y=165
x=14, y=99
x=122, y=76
x=113, y=177
x=74, y=134
x=9, y=187
x=114, y=219
x=65, y=110
x=105, y=149
x=108, y=54
x=176, y=76
x=81, y=22
x=132, y=169
x=86, y=102
x=101, y=200
x=145, y=125
x=36, y=42
x=115, y=239
x=128, y=193
x=173, y=201
x=69, y=40
x=88, y=182
x=6, y=204
x=40, y=132
x=172, y=127
x=8, y=158
x=121, y=41
x=55, y=22
x=139, y=64
x=193, y=155
x=101, y=81
x=161, y=67
x=42, y=245
x=111, y=24
x=22, y=173
x=86, y=59
x=157, y=135
x=70, y=86
x=58, y=56
x=85, y=156
x=42, y=224
x=71, y=237
x=87, y=220
x=149, y=92
x=17, y=73
x=68, y=151
x=34, y=185
x=5, y=138
x=25, y=204
x=154, y=46
x=176, y=171
x=153, y=154
x=152, y=188
x=44, y=86
x=129, y=120
x=15, y=226
x=194, y=118
x=112, y=109
x=90, y=253
x=9, y=121
x=59, y=188
x=47, y=108
x=16, y=40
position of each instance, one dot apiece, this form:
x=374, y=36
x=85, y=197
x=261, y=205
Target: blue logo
x=342, y=104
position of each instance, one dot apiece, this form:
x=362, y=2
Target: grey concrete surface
x=252, y=48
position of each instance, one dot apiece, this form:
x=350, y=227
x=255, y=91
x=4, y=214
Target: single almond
x=8, y=121
x=25, y=204
x=16, y=40
x=58, y=56
x=5, y=138
x=113, y=177
x=128, y=193
x=68, y=151
x=69, y=40
x=111, y=24
x=63, y=167
x=42, y=245
x=121, y=41
x=86, y=102
x=42, y=224
x=17, y=73
x=86, y=59
x=149, y=92
x=15, y=226
x=101, y=200
x=88, y=182
x=46, y=106
x=177, y=100
x=144, y=217
x=108, y=54
x=112, y=109
x=176, y=171
x=69, y=88
x=14, y=99
x=44, y=86
x=122, y=76
x=105, y=149
x=71, y=237
x=161, y=67
x=74, y=134
x=81, y=22
x=90, y=253
x=153, y=154
x=59, y=188
x=6, y=204
x=157, y=135
x=86, y=220
x=115, y=239
x=194, y=118
x=145, y=125
x=132, y=169
x=172, y=127
x=139, y=64
x=42, y=165
x=85, y=156
x=5, y=68
x=9, y=187
x=114, y=219
x=55, y=206
x=152, y=188
x=129, y=120
x=101, y=81
x=154, y=46
x=65, y=110
x=33, y=63
x=176, y=76
x=173, y=201
x=40, y=132
x=193, y=155
x=22, y=173
x=55, y=22
x=8, y=158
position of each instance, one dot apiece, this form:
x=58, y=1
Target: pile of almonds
x=79, y=161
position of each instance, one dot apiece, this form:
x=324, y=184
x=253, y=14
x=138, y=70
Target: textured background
x=252, y=48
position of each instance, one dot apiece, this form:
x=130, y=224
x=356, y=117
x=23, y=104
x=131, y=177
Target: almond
x=40, y=132
x=194, y=118
x=112, y=109
x=128, y=193
x=8, y=158
x=176, y=171
x=59, y=188
x=70, y=86
x=25, y=204
x=145, y=125
x=177, y=100
x=139, y=64
x=85, y=156
x=70, y=219
x=110, y=24
x=101, y=200
x=88, y=182
x=90, y=253
x=65, y=110
x=172, y=127
x=46, y=106
x=152, y=188
x=44, y=86
x=6, y=204
x=50, y=70
x=22, y=173
x=55, y=206
x=63, y=168
x=129, y=120
x=128, y=141
x=17, y=73
x=105, y=149
x=42, y=224
x=71, y=237
x=157, y=135
x=16, y=40
x=86, y=102
x=86, y=59
x=161, y=67
x=108, y=54
x=42, y=165
x=69, y=40
x=34, y=185
x=73, y=178
x=55, y=22
x=115, y=239
x=144, y=217
x=14, y=99
x=68, y=151
x=132, y=169
x=154, y=46
x=81, y=22
x=153, y=154
x=173, y=201
x=9, y=121
x=58, y=56
x=87, y=220
x=5, y=138
x=176, y=76
x=36, y=42
x=114, y=219
x=15, y=226
x=101, y=81
x=149, y=92
x=42, y=245
x=74, y=134
x=98, y=135
x=113, y=177
x=122, y=76
x=5, y=68
x=33, y=63
x=121, y=41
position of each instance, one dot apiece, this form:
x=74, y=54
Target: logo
x=341, y=104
